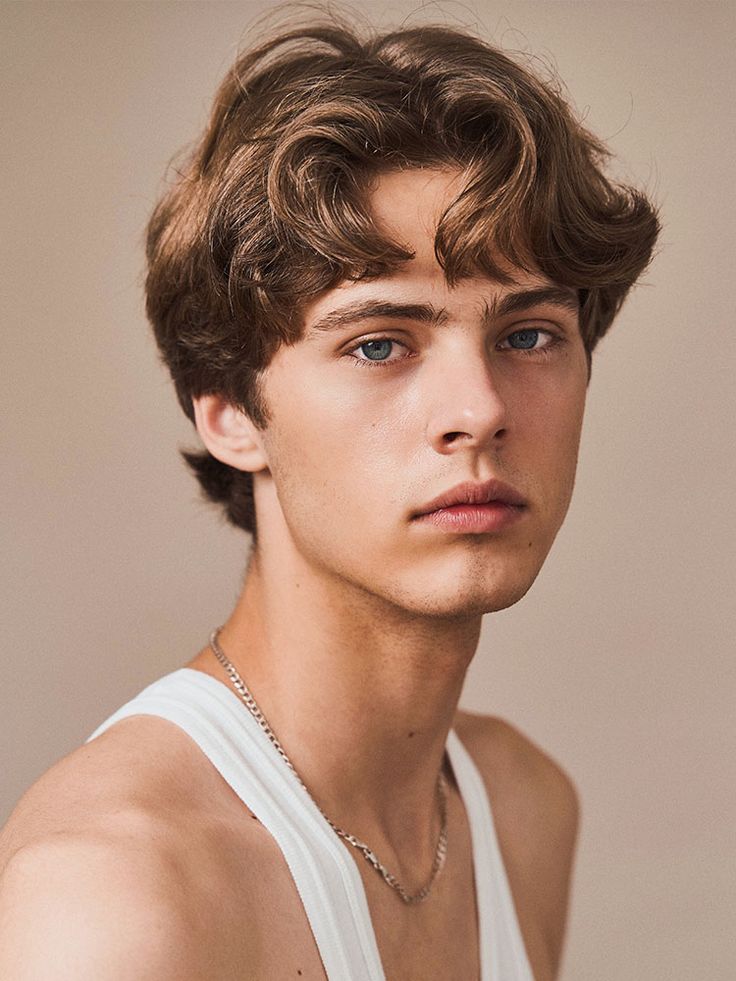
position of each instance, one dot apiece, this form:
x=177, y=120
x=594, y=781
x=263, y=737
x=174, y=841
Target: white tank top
x=324, y=872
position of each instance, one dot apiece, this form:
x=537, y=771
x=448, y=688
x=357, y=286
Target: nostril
x=449, y=438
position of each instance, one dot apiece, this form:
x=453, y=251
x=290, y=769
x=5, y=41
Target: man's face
x=363, y=434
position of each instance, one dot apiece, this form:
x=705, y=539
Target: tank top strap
x=503, y=955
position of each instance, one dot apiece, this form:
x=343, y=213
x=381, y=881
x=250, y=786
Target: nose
x=468, y=409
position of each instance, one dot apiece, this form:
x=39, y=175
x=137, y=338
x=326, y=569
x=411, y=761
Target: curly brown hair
x=270, y=209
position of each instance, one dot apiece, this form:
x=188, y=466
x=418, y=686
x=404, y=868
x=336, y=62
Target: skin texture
x=356, y=626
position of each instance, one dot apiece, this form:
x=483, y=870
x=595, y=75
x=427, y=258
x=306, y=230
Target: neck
x=360, y=694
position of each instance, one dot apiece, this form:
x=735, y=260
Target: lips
x=490, y=491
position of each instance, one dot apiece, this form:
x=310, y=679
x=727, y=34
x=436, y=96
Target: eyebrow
x=425, y=313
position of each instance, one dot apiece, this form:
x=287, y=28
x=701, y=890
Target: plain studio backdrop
x=620, y=661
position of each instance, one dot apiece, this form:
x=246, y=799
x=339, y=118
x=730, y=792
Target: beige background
x=620, y=660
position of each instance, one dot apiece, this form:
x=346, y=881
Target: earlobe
x=229, y=435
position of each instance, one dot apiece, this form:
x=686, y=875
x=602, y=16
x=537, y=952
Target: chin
x=464, y=598
x=495, y=600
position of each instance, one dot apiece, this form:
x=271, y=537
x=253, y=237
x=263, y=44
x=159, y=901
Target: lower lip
x=475, y=518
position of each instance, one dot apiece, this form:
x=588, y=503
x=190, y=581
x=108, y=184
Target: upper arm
x=536, y=811
x=554, y=809
x=80, y=910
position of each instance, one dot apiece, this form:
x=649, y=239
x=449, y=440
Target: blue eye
x=376, y=346
x=525, y=339
x=380, y=346
x=531, y=340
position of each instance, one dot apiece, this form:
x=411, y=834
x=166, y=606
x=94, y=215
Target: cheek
x=563, y=426
x=550, y=419
x=347, y=422
x=336, y=467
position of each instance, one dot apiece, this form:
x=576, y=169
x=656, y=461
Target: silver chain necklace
x=439, y=858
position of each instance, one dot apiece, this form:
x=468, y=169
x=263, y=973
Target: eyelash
x=553, y=341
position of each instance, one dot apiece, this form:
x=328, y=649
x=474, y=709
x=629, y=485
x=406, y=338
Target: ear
x=228, y=433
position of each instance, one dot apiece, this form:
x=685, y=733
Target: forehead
x=409, y=203
x=407, y=206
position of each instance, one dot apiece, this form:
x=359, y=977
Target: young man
x=377, y=285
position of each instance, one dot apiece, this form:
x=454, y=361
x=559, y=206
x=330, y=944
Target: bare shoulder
x=536, y=813
x=103, y=908
x=516, y=764
x=143, y=776
x=113, y=859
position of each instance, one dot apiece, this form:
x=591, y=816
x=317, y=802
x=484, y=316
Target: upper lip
x=474, y=493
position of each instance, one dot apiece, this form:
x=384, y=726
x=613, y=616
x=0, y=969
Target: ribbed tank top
x=324, y=872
